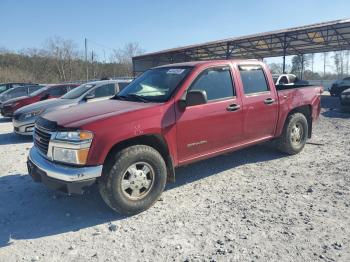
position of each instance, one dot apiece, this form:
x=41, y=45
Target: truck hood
x=46, y=105
x=90, y=112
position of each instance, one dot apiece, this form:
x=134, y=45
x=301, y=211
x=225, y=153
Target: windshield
x=14, y=90
x=37, y=92
x=77, y=92
x=155, y=85
x=3, y=88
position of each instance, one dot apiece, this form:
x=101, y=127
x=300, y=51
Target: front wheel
x=133, y=181
x=294, y=134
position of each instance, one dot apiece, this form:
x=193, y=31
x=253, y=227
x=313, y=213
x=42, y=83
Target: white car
x=288, y=79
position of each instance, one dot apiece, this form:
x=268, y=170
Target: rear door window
x=105, y=90
x=253, y=79
x=31, y=89
x=122, y=85
x=216, y=82
x=57, y=91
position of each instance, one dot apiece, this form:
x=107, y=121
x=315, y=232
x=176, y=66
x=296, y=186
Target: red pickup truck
x=169, y=116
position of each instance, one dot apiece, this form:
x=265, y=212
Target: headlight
x=32, y=114
x=71, y=156
x=71, y=147
x=346, y=96
x=74, y=136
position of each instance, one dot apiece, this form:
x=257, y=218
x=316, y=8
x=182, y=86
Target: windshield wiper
x=119, y=97
x=140, y=98
x=131, y=97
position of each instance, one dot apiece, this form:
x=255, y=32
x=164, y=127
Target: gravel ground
x=252, y=205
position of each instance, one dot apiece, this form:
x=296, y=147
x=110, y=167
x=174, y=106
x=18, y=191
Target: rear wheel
x=294, y=134
x=133, y=180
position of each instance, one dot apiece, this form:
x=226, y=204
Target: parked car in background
x=18, y=91
x=339, y=86
x=288, y=79
x=345, y=100
x=47, y=92
x=24, y=118
x=169, y=116
x=7, y=86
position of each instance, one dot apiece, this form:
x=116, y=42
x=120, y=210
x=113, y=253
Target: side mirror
x=89, y=96
x=196, y=97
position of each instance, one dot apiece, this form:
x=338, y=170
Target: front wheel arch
x=155, y=141
x=111, y=188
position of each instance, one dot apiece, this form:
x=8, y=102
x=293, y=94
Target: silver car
x=24, y=118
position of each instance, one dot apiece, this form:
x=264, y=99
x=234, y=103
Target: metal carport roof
x=315, y=38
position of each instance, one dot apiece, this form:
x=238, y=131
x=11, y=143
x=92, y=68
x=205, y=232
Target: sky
x=154, y=24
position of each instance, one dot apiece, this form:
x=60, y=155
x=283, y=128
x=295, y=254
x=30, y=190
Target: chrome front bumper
x=23, y=128
x=61, y=172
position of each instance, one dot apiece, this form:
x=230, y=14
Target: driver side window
x=216, y=82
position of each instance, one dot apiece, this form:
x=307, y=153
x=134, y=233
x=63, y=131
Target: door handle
x=233, y=107
x=269, y=101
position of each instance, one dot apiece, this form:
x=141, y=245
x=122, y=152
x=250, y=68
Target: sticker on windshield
x=176, y=71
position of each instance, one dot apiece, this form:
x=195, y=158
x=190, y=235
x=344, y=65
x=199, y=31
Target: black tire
x=287, y=142
x=110, y=185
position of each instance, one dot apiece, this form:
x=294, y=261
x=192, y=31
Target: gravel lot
x=252, y=205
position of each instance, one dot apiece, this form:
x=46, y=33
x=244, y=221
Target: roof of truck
x=99, y=82
x=196, y=63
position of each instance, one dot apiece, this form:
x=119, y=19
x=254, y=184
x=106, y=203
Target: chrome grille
x=41, y=139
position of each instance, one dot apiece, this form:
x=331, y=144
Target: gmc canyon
x=169, y=116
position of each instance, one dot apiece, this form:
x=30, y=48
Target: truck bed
x=286, y=87
x=294, y=96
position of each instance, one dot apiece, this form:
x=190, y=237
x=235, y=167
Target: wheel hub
x=297, y=133
x=137, y=180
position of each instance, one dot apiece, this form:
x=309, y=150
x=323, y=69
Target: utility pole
x=86, y=61
x=92, y=63
x=284, y=54
x=347, y=63
x=324, y=65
